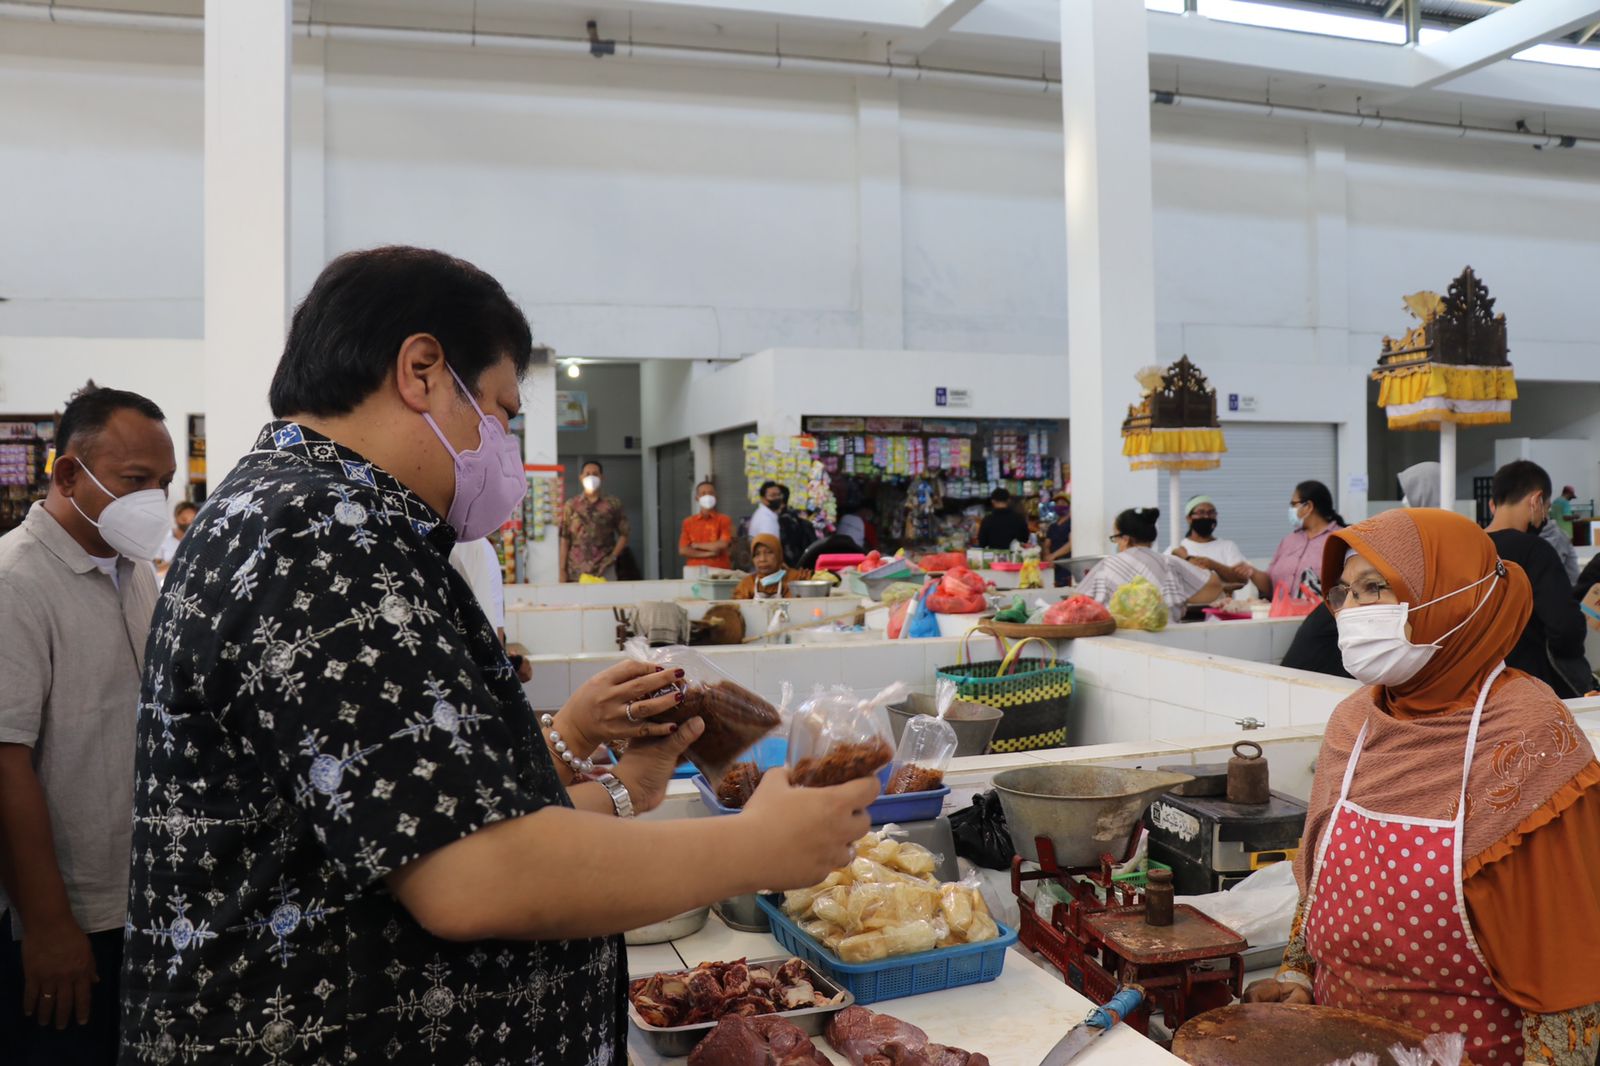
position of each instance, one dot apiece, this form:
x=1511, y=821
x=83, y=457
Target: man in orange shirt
x=707, y=533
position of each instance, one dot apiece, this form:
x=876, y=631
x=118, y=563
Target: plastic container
x=906, y=807
x=905, y=975
x=839, y=561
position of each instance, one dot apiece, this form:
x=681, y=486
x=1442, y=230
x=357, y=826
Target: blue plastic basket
x=907, y=975
x=904, y=807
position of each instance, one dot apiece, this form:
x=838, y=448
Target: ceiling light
x=573, y=370
x=1302, y=21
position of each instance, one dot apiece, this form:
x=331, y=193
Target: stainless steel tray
x=679, y=1040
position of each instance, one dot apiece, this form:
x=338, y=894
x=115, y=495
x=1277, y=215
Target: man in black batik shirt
x=352, y=842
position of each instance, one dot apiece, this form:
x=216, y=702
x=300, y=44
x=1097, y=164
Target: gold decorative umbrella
x=1450, y=370
x=1174, y=428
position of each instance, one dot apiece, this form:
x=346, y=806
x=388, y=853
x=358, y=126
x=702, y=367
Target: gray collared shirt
x=71, y=650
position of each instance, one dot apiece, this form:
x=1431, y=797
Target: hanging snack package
x=735, y=717
x=744, y=776
x=839, y=737
x=926, y=747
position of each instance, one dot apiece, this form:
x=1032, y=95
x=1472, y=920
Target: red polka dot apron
x=1387, y=922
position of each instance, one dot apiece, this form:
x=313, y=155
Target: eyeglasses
x=1202, y=514
x=1297, y=504
x=1116, y=537
x=1363, y=593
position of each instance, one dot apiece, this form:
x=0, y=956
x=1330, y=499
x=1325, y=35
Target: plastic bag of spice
x=735, y=717
x=744, y=776
x=838, y=736
x=926, y=747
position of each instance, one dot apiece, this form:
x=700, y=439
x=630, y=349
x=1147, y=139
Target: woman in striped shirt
x=1181, y=582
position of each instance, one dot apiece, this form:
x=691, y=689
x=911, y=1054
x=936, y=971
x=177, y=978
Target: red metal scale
x=1100, y=942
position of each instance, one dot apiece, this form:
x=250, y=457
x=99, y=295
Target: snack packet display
x=735, y=717
x=839, y=737
x=926, y=747
x=887, y=902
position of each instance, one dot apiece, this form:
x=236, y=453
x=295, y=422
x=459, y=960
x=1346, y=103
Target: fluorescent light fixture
x=1274, y=17
x=1561, y=55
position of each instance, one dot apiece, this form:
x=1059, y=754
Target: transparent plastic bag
x=1447, y=1049
x=926, y=747
x=839, y=737
x=744, y=776
x=735, y=717
x=1138, y=605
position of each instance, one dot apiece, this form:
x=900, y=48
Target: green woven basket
x=1035, y=701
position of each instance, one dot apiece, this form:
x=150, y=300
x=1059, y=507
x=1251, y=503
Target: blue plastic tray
x=907, y=975
x=905, y=807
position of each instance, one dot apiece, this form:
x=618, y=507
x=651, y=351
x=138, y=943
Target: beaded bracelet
x=579, y=766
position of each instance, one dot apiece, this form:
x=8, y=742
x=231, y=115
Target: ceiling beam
x=945, y=15
x=1500, y=35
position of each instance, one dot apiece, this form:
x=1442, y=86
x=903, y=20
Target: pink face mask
x=490, y=483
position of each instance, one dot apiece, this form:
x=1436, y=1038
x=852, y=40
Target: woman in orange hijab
x=771, y=578
x=1450, y=877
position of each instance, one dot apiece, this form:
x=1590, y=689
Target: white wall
x=645, y=212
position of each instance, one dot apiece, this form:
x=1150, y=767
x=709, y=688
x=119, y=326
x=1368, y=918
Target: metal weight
x=1247, y=775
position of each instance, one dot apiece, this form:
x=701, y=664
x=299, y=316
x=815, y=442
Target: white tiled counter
x=1014, y=1020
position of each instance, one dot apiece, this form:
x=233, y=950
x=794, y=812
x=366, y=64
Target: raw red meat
x=1075, y=611
x=765, y=1041
x=715, y=990
x=867, y=1038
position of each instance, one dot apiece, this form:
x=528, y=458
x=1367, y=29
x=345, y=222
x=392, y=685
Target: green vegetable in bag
x=1138, y=605
x=1017, y=612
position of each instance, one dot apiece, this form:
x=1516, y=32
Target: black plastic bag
x=981, y=834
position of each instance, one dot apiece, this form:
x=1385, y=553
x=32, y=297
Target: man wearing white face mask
x=594, y=529
x=705, y=536
x=76, y=597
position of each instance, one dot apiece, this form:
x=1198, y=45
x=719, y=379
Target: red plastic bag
x=897, y=618
x=946, y=561
x=1285, y=605
x=964, y=601
x=871, y=562
x=1076, y=611
x=958, y=580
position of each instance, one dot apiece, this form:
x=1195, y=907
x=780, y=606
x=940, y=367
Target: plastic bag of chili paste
x=837, y=736
x=926, y=744
x=735, y=717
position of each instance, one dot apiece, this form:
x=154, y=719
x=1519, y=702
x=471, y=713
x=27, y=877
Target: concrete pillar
x=1110, y=253
x=246, y=219
x=700, y=454
x=539, y=449
x=880, y=256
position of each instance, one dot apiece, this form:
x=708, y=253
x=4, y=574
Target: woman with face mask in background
x=1205, y=549
x=771, y=578
x=1453, y=800
x=1311, y=519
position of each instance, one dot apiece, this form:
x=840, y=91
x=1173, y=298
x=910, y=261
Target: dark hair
x=91, y=407
x=184, y=505
x=587, y=463
x=1138, y=524
x=707, y=483
x=1518, y=480
x=785, y=490
x=1321, y=500
x=765, y=485
x=999, y=496
x=348, y=330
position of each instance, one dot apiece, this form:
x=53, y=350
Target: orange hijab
x=1424, y=553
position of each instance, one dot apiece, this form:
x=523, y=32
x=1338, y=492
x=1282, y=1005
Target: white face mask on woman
x=1373, y=643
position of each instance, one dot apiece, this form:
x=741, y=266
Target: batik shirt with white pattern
x=323, y=702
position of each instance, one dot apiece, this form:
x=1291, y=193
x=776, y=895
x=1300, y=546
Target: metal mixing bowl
x=686, y=924
x=973, y=723
x=1085, y=811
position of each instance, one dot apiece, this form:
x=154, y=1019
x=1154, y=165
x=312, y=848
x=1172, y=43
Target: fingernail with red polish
x=674, y=729
x=680, y=673
x=680, y=697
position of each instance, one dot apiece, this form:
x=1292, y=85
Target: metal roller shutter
x=727, y=471
x=1265, y=461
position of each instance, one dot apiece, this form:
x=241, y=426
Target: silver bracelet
x=582, y=767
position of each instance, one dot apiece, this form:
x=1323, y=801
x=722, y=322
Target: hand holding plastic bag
x=735, y=718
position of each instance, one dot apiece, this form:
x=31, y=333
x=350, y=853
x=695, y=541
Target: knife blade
x=1100, y=1021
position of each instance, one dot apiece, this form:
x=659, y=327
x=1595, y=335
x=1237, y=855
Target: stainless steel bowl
x=811, y=588
x=974, y=723
x=1085, y=811
x=686, y=924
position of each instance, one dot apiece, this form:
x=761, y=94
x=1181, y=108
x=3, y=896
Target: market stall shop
x=918, y=483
